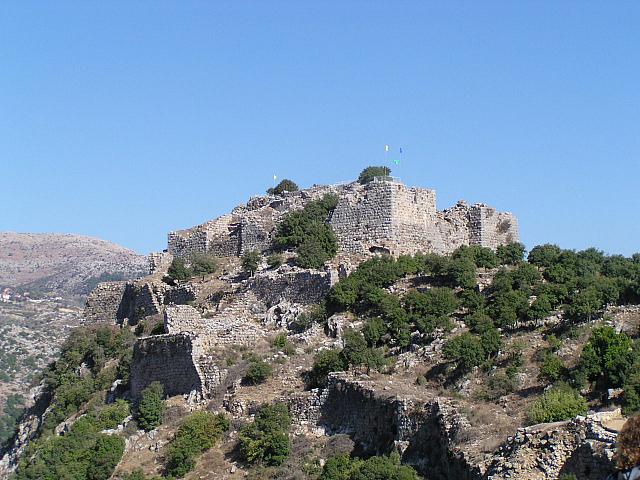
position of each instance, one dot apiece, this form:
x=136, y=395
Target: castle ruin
x=383, y=216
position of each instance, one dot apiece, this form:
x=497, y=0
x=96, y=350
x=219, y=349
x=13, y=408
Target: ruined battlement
x=383, y=216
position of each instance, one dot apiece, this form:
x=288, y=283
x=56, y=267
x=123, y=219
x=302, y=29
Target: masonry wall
x=104, y=301
x=362, y=220
x=168, y=359
x=305, y=287
x=213, y=332
x=379, y=423
x=491, y=228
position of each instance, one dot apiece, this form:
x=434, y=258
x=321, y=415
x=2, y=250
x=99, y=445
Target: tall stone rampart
x=104, y=301
x=168, y=359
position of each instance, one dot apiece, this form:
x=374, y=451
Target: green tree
x=606, y=358
x=558, y=403
x=285, y=185
x=324, y=363
x=369, y=173
x=266, y=440
x=462, y=273
x=107, y=453
x=552, y=368
x=466, y=350
x=178, y=270
x=355, y=348
x=373, y=331
x=585, y=304
x=319, y=245
x=631, y=404
x=437, y=301
x=511, y=253
x=482, y=257
x=342, y=467
x=544, y=255
x=251, y=261
x=275, y=260
x=339, y=467
x=203, y=264
x=151, y=406
x=541, y=307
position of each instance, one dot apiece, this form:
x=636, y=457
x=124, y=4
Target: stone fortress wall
x=383, y=216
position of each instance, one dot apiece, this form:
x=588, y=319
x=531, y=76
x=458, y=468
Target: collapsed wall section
x=490, y=228
x=134, y=300
x=379, y=423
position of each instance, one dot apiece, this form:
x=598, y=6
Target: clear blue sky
x=125, y=120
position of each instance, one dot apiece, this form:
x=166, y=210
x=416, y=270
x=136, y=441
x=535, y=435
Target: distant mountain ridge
x=64, y=264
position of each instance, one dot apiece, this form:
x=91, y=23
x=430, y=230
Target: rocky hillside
x=44, y=279
x=67, y=265
x=302, y=359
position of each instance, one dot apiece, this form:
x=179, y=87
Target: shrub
x=110, y=416
x=342, y=467
x=275, y=260
x=558, y=403
x=266, y=440
x=499, y=385
x=178, y=270
x=628, y=453
x=437, y=301
x=369, y=173
x=251, y=261
x=12, y=411
x=480, y=256
x=259, y=371
x=585, y=303
x=466, y=350
x=82, y=453
x=461, y=272
x=324, y=363
x=552, y=368
x=199, y=432
x=357, y=353
x=203, y=264
x=107, y=453
x=282, y=343
x=151, y=407
x=373, y=331
x=294, y=227
x=285, y=185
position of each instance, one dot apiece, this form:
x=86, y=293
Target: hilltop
x=349, y=332
x=63, y=264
